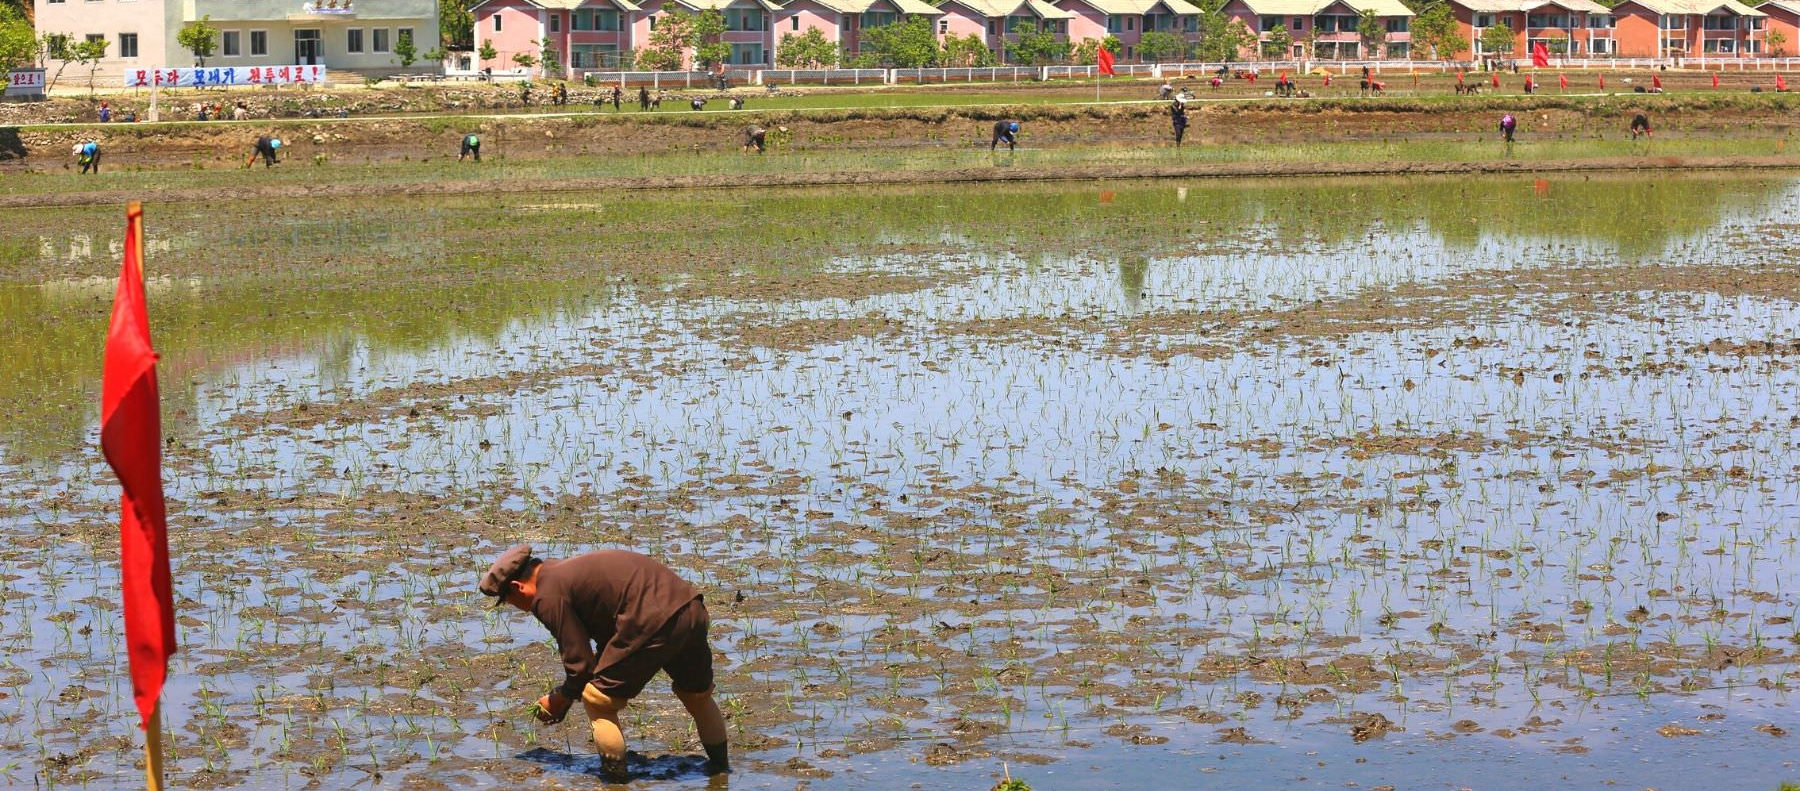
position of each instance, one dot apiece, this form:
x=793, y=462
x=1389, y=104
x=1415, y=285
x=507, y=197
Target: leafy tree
x=200, y=38
x=1221, y=37
x=525, y=60
x=1158, y=46
x=89, y=53
x=807, y=51
x=1436, y=29
x=1037, y=46
x=1373, y=33
x=18, y=41
x=487, y=51
x=456, y=26
x=966, y=51
x=1777, y=43
x=1088, y=49
x=908, y=44
x=708, y=39
x=549, y=59
x=57, y=47
x=668, y=41
x=405, y=50
x=1497, y=40
x=1279, y=43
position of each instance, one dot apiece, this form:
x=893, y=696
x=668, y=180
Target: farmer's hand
x=553, y=707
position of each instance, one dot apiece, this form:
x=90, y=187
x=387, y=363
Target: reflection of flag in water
x=1541, y=187
x=1540, y=55
x=1105, y=61
x=131, y=440
x=1106, y=197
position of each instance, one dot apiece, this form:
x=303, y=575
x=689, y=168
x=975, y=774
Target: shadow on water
x=643, y=767
x=11, y=147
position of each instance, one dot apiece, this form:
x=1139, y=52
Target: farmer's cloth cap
x=505, y=570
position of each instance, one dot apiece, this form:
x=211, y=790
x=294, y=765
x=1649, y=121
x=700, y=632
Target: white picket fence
x=741, y=76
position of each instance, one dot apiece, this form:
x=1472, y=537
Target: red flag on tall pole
x=1496, y=79
x=1562, y=81
x=1105, y=60
x=1540, y=55
x=1715, y=79
x=1656, y=80
x=1780, y=83
x=131, y=440
x=1603, y=82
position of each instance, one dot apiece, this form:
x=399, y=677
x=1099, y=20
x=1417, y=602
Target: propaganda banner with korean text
x=25, y=82
x=224, y=75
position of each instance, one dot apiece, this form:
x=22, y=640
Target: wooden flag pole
x=153, y=758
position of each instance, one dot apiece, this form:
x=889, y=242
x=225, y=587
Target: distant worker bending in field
x=642, y=617
x=471, y=146
x=1640, y=125
x=87, y=155
x=754, y=137
x=1507, y=125
x=266, y=147
x=1005, y=132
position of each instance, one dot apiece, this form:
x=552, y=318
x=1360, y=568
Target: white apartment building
x=341, y=34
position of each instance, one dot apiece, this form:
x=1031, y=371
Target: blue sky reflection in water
x=1307, y=495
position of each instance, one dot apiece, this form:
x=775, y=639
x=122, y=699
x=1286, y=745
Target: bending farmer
x=753, y=138
x=1005, y=132
x=1640, y=125
x=1178, y=118
x=88, y=156
x=1507, y=125
x=266, y=147
x=643, y=617
x=470, y=145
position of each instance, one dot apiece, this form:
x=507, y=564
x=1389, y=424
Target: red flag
x=1656, y=80
x=131, y=440
x=1496, y=79
x=1603, y=82
x=1540, y=55
x=1715, y=79
x=1780, y=83
x=1562, y=81
x=1459, y=79
x=1105, y=59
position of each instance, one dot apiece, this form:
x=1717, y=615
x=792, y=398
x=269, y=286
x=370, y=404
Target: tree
x=200, y=38
x=456, y=26
x=525, y=60
x=1373, y=33
x=549, y=59
x=1087, y=50
x=1036, y=46
x=806, y=51
x=1497, y=40
x=708, y=39
x=18, y=41
x=405, y=50
x=1158, y=46
x=966, y=51
x=89, y=53
x=1279, y=42
x=1221, y=37
x=57, y=47
x=487, y=51
x=1436, y=29
x=668, y=41
x=1777, y=43
x=907, y=44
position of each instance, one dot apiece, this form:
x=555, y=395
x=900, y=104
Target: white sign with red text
x=25, y=82
x=224, y=75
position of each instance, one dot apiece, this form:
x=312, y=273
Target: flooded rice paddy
x=1406, y=484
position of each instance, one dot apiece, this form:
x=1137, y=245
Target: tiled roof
x=1000, y=8
x=1139, y=7
x=1697, y=7
x=1311, y=7
x=860, y=6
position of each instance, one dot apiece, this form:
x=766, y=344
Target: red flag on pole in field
x=1715, y=79
x=1105, y=60
x=1780, y=83
x=1562, y=81
x=1603, y=82
x=1656, y=80
x=1540, y=56
x=1459, y=79
x=131, y=440
x=1496, y=79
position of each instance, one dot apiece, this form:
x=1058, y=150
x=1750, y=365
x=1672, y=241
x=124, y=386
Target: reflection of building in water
x=1132, y=272
x=81, y=248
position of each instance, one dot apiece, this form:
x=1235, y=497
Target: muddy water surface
x=1415, y=484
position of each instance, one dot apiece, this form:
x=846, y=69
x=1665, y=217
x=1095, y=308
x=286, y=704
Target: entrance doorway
x=307, y=48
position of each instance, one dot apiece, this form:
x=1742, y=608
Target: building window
x=231, y=43
x=353, y=40
x=796, y=21
x=404, y=34
x=381, y=40
x=496, y=23
x=93, y=37
x=1398, y=24
x=1114, y=23
x=1674, y=22
x=259, y=42
x=1130, y=21
x=993, y=27
x=128, y=45
x=556, y=23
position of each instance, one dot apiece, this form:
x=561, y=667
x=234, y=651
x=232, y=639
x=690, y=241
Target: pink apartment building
x=1784, y=18
x=1575, y=28
x=999, y=22
x=590, y=35
x=1129, y=20
x=1327, y=29
x=843, y=21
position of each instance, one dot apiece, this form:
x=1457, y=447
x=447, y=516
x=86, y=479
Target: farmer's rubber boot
x=718, y=759
x=614, y=770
